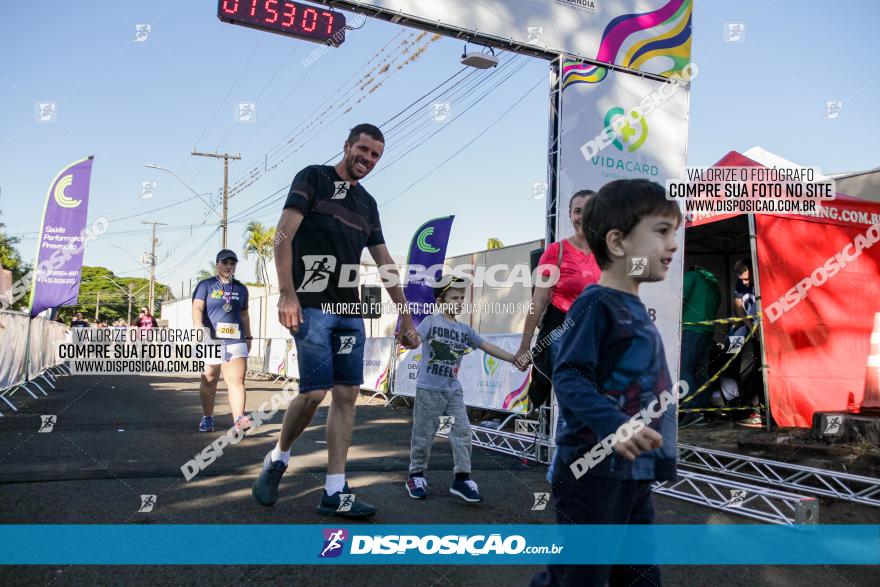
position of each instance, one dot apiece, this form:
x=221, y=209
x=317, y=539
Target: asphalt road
x=116, y=438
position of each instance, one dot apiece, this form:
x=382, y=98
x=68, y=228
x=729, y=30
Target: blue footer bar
x=234, y=544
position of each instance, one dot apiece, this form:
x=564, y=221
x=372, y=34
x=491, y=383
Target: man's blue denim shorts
x=329, y=350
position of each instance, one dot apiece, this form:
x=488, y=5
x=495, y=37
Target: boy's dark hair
x=447, y=282
x=366, y=129
x=742, y=265
x=580, y=194
x=620, y=205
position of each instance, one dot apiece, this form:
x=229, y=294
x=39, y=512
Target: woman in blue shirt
x=220, y=303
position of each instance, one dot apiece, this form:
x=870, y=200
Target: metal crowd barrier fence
x=28, y=356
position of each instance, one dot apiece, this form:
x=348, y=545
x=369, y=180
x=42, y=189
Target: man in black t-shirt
x=327, y=221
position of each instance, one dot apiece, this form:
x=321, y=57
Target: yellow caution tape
x=715, y=377
x=722, y=321
x=738, y=409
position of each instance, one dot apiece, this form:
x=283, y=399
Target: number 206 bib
x=227, y=330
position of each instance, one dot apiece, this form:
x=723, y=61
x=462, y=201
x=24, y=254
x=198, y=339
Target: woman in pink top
x=577, y=270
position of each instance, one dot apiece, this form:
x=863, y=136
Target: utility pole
x=130, y=296
x=226, y=157
x=97, y=306
x=153, y=243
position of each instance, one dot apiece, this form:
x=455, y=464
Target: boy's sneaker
x=417, y=487
x=207, y=424
x=330, y=505
x=753, y=421
x=265, y=488
x=466, y=489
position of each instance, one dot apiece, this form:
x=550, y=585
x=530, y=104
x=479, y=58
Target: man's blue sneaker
x=466, y=489
x=334, y=505
x=265, y=488
x=207, y=424
x=417, y=487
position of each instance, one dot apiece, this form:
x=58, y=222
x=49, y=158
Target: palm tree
x=206, y=273
x=260, y=241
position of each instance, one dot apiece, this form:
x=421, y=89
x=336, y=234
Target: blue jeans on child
x=592, y=499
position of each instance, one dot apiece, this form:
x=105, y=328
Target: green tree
x=206, y=273
x=260, y=241
x=11, y=259
x=98, y=290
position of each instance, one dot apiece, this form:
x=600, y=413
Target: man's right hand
x=642, y=441
x=290, y=312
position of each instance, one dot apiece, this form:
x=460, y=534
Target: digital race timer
x=284, y=17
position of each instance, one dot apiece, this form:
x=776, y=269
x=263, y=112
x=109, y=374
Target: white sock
x=280, y=455
x=334, y=483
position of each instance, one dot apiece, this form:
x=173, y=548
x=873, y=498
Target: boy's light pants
x=430, y=405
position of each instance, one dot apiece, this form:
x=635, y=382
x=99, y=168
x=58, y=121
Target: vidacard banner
x=627, y=127
x=62, y=239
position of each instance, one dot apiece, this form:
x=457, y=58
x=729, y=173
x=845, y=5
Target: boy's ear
x=614, y=242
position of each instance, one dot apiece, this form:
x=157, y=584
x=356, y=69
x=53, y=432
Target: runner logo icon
x=319, y=268
x=334, y=540
x=340, y=190
x=541, y=501
x=737, y=497
x=47, y=423
x=148, y=502
x=346, y=500
x=346, y=344
x=446, y=423
x=832, y=424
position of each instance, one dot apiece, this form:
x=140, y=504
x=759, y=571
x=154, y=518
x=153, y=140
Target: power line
x=290, y=148
x=250, y=171
x=466, y=145
x=239, y=215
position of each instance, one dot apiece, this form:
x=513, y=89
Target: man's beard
x=350, y=168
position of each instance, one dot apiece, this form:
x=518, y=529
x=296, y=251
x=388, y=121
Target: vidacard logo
x=334, y=542
x=632, y=132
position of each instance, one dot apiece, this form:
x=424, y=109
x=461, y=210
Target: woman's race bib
x=227, y=330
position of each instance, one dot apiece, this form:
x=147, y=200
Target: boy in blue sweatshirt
x=617, y=429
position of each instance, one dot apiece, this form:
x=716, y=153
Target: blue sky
x=132, y=103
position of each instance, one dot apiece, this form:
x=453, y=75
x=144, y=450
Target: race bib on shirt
x=227, y=330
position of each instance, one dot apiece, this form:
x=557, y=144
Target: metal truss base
x=525, y=446
x=759, y=503
x=820, y=482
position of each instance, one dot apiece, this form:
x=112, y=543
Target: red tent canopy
x=817, y=350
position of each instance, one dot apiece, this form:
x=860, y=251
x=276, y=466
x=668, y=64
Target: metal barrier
x=751, y=501
x=28, y=355
x=821, y=482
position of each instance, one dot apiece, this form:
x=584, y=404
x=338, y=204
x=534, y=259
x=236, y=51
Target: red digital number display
x=293, y=19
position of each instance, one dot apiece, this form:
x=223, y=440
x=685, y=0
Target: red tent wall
x=818, y=350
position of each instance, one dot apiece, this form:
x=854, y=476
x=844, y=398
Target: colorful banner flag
x=61, y=242
x=427, y=249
